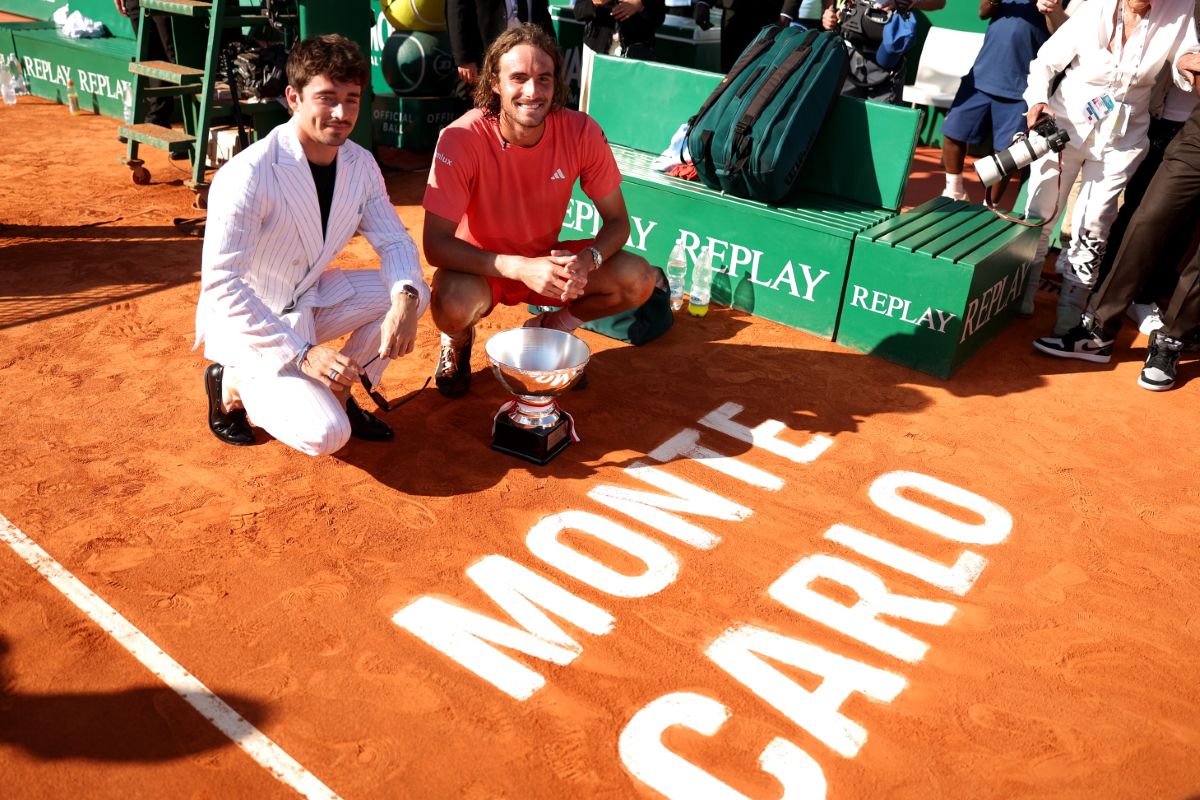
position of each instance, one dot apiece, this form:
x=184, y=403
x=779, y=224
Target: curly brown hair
x=485, y=95
x=331, y=55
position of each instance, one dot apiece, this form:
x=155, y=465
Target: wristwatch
x=597, y=259
x=412, y=292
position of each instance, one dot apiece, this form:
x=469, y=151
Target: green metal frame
x=198, y=31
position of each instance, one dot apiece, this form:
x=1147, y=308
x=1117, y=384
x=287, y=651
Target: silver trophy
x=536, y=365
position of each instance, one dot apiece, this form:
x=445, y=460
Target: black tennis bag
x=752, y=134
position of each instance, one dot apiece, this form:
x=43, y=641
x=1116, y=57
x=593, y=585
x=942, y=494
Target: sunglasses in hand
x=375, y=394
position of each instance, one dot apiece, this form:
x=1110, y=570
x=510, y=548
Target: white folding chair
x=946, y=57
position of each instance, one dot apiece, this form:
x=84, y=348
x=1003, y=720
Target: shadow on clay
x=141, y=724
x=638, y=397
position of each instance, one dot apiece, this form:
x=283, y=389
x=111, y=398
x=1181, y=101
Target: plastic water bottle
x=676, y=273
x=72, y=99
x=6, y=84
x=701, y=284
x=129, y=106
x=20, y=83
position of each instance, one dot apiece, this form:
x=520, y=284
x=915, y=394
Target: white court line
x=269, y=755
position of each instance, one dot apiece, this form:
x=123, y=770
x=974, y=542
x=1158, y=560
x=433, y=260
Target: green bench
x=926, y=288
x=931, y=286
x=786, y=264
x=99, y=67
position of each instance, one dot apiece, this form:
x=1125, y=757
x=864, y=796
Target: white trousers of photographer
x=1103, y=171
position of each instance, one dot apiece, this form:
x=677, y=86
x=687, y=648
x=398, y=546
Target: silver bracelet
x=303, y=354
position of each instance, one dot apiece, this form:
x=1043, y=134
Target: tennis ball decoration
x=415, y=15
x=418, y=64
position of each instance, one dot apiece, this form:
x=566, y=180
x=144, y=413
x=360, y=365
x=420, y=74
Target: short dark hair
x=487, y=100
x=331, y=55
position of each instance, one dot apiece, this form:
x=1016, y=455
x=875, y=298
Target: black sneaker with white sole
x=1082, y=342
x=1158, y=374
x=453, y=375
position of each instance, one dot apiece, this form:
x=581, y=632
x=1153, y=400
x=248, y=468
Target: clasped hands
x=397, y=336
x=561, y=274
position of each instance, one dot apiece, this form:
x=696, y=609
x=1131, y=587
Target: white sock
x=954, y=183
x=562, y=320
x=229, y=396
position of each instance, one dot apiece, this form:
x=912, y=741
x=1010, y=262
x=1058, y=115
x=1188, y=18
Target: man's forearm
x=455, y=254
x=612, y=236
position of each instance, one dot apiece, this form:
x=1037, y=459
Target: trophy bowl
x=535, y=365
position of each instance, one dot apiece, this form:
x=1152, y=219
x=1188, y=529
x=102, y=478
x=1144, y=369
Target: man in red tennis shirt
x=498, y=191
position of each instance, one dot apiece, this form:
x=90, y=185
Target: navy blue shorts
x=975, y=114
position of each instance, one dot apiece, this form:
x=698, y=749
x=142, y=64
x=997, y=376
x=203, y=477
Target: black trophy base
x=539, y=445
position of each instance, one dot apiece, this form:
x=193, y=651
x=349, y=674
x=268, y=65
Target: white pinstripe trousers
x=300, y=411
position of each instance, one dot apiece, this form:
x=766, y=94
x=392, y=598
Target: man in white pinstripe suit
x=279, y=213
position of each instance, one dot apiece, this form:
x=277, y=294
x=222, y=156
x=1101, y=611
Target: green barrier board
x=99, y=10
x=100, y=69
x=679, y=41
x=34, y=9
x=412, y=123
x=931, y=286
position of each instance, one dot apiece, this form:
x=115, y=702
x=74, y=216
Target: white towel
x=75, y=25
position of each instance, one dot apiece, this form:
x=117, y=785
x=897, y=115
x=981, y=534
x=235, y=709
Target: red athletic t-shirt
x=509, y=199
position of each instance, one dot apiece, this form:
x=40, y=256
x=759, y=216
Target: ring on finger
x=333, y=374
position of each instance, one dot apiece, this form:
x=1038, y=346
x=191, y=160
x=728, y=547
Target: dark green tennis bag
x=752, y=134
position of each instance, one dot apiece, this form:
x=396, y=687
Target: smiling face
x=525, y=85
x=325, y=111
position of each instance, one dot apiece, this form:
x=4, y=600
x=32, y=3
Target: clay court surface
x=1067, y=669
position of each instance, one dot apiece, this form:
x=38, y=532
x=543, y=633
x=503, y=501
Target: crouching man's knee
x=322, y=437
x=634, y=277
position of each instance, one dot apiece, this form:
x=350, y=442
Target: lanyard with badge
x=1099, y=108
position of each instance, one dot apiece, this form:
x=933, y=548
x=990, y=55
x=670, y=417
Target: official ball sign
x=416, y=63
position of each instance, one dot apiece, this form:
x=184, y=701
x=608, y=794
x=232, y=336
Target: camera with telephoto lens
x=1045, y=136
x=861, y=22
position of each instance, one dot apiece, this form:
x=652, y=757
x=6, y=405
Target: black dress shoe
x=230, y=427
x=365, y=425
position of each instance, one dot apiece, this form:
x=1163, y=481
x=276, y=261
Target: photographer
x=988, y=101
x=876, y=71
x=1110, y=53
x=1167, y=214
x=621, y=27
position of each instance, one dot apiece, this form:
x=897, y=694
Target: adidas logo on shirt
x=558, y=175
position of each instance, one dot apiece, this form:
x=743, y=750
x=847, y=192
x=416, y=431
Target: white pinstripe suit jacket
x=264, y=256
